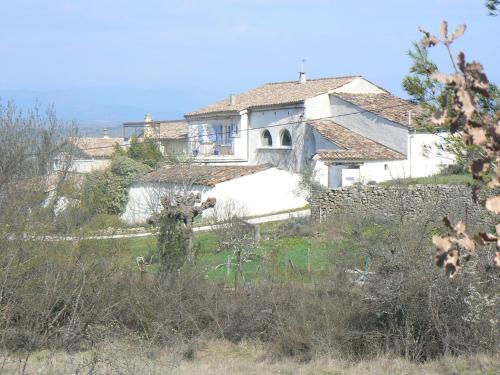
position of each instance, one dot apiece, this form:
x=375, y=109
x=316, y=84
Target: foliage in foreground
x=461, y=109
x=73, y=295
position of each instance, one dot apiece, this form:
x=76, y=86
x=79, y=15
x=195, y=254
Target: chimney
x=302, y=77
x=148, y=120
x=232, y=100
x=105, y=133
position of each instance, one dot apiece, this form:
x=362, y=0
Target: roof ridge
x=313, y=79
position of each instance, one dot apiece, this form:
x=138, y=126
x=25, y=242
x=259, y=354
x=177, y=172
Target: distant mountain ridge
x=95, y=108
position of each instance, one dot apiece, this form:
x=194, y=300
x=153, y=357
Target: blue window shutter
x=200, y=132
x=213, y=133
x=219, y=134
x=231, y=134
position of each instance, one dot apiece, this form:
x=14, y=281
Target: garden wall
x=427, y=202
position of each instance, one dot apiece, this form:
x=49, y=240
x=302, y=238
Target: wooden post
x=308, y=260
x=256, y=233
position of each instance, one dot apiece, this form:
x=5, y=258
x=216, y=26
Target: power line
x=248, y=129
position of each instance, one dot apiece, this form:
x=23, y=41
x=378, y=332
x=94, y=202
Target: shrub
x=106, y=191
x=300, y=227
x=127, y=168
x=145, y=151
x=104, y=221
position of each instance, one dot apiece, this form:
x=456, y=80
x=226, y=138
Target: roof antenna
x=302, y=73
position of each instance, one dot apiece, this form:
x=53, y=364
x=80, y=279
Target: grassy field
x=283, y=257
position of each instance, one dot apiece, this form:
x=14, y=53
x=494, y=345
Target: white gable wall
x=376, y=128
x=85, y=165
x=360, y=86
x=317, y=107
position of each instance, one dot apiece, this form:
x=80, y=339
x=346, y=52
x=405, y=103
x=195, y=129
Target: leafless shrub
x=460, y=111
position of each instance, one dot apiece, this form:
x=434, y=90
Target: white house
x=252, y=190
x=87, y=154
x=349, y=128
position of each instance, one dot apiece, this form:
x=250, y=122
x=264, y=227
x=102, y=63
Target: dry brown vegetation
x=73, y=297
x=219, y=357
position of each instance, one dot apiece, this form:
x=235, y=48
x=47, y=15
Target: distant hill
x=95, y=108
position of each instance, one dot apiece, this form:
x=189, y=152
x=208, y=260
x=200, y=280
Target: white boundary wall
x=262, y=193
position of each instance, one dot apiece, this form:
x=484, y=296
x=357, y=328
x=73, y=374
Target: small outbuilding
x=250, y=190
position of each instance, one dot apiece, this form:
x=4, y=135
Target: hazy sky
x=112, y=60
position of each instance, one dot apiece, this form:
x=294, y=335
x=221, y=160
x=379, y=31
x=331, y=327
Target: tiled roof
x=353, y=146
x=176, y=129
x=196, y=174
x=384, y=104
x=276, y=94
x=96, y=147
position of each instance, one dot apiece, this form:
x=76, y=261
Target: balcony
x=211, y=152
x=212, y=149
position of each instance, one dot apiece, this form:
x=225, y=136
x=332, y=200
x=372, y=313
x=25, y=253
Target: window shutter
x=213, y=134
x=200, y=132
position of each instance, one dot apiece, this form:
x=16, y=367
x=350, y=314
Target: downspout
x=409, y=141
x=248, y=139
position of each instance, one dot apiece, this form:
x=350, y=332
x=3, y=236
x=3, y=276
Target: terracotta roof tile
x=196, y=174
x=176, y=129
x=384, y=104
x=276, y=94
x=353, y=146
x=96, y=147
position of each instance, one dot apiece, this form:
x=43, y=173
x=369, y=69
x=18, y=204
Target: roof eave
x=214, y=114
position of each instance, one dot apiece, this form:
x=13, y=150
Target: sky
x=101, y=62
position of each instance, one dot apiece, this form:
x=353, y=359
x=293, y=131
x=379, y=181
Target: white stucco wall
x=360, y=86
x=424, y=159
x=275, y=120
x=144, y=199
x=369, y=125
x=239, y=141
x=261, y=193
x=317, y=107
x=85, y=165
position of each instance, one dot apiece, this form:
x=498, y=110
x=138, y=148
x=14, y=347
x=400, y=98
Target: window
x=235, y=130
x=286, y=138
x=223, y=134
x=201, y=133
x=266, y=139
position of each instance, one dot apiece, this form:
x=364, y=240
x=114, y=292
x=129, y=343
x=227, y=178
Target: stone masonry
x=427, y=202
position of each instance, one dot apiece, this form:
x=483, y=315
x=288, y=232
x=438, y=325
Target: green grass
x=455, y=179
x=282, y=258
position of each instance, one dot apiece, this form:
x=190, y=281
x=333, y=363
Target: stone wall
x=426, y=202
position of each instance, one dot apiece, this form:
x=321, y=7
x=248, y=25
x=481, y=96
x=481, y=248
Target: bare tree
x=460, y=111
x=176, y=228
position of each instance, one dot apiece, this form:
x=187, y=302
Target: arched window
x=266, y=139
x=286, y=138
